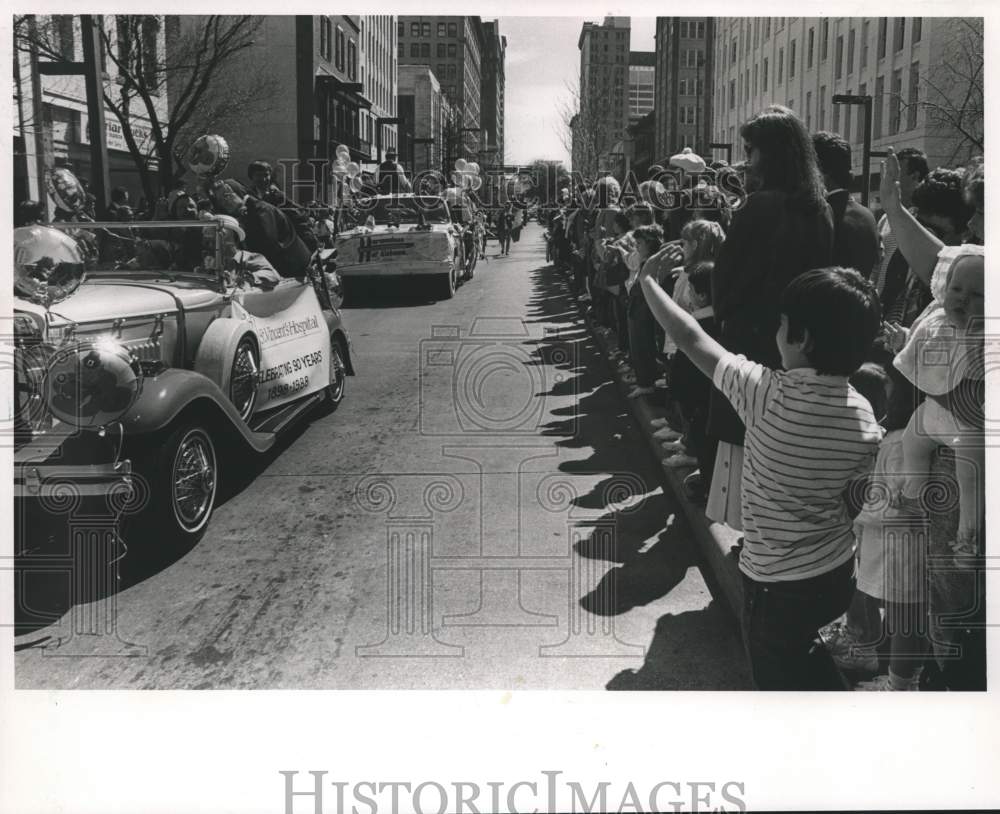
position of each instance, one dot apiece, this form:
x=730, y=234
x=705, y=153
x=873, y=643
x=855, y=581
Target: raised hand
x=889, y=185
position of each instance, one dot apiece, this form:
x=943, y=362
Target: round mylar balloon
x=356, y=184
x=339, y=169
x=343, y=151
x=353, y=169
x=477, y=182
x=208, y=155
x=461, y=165
x=48, y=265
x=66, y=191
x=472, y=167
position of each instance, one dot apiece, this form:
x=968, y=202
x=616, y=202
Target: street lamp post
x=723, y=145
x=866, y=156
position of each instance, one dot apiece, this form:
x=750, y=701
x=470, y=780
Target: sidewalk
x=715, y=540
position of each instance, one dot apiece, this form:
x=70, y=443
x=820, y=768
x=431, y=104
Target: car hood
x=100, y=301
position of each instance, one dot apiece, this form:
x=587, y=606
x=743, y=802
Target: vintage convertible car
x=401, y=236
x=163, y=365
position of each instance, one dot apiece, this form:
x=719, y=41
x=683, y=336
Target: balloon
x=456, y=178
x=477, y=182
x=343, y=151
x=353, y=169
x=472, y=167
x=66, y=191
x=356, y=184
x=208, y=155
x=461, y=165
x=48, y=264
x=339, y=169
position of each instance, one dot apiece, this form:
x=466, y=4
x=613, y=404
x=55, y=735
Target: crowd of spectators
x=823, y=373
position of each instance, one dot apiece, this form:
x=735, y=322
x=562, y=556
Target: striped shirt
x=808, y=436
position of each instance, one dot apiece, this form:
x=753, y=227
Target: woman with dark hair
x=782, y=229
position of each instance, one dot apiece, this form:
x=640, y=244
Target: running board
x=277, y=420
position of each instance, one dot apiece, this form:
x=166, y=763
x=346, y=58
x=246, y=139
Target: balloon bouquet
x=347, y=172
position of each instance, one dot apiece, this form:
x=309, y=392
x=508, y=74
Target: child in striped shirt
x=808, y=435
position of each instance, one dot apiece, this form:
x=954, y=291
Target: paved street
x=481, y=512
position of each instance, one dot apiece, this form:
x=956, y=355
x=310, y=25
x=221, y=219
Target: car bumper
x=419, y=268
x=48, y=481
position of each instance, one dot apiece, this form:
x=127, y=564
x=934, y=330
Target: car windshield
x=176, y=250
x=408, y=210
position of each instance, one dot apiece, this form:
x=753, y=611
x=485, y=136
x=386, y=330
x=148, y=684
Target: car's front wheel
x=182, y=478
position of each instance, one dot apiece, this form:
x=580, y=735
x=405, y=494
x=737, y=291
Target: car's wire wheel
x=193, y=479
x=243, y=381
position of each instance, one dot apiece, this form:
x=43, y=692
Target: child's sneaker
x=847, y=651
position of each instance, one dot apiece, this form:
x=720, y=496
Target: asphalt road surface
x=480, y=513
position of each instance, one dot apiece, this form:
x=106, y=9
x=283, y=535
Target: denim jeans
x=781, y=621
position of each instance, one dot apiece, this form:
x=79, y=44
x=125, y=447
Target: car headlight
x=92, y=383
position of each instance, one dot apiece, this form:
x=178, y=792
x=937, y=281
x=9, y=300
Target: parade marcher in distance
x=809, y=434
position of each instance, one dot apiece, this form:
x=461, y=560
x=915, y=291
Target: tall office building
x=426, y=118
x=802, y=62
x=684, y=64
x=379, y=77
x=603, y=112
x=494, y=56
x=452, y=47
x=641, y=70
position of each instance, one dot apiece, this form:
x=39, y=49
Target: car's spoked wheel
x=193, y=480
x=338, y=377
x=243, y=381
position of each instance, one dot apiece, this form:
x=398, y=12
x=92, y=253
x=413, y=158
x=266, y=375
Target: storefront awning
x=351, y=89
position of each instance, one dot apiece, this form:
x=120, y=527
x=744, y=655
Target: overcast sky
x=542, y=57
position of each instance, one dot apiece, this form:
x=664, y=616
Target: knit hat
x=688, y=160
x=229, y=222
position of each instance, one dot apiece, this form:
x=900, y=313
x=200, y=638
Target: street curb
x=715, y=540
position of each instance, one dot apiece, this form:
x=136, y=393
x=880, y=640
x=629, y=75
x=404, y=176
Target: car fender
x=217, y=347
x=337, y=330
x=164, y=396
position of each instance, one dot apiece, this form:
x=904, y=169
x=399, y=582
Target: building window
x=898, y=33
x=746, y=85
x=755, y=80
x=732, y=52
x=732, y=94
x=781, y=65
x=847, y=121
x=791, y=60
x=425, y=49
x=915, y=31
x=352, y=60
x=850, y=52
x=838, y=59
x=400, y=29
x=414, y=29
x=442, y=30
x=862, y=91
x=809, y=48
x=764, y=75
x=452, y=50
x=452, y=29
x=399, y=51
x=442, y=69
x=767, y=28
x=824, y=39
x=441, y=51
x=425, y=29
x=883, y=33
x=896, y=101
x=836, y=120
x=822, y=107
x=415, y=49
x=913, y=97
x=809, y=105
x=879, y=104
